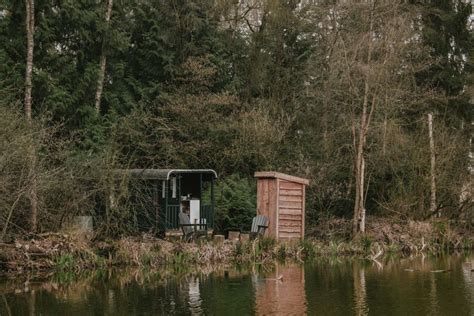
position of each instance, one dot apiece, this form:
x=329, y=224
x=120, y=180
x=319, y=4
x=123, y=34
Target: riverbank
x=73, y=252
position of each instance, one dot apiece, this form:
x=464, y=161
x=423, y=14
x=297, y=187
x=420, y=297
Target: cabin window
x=163, y=189
x=173, y=186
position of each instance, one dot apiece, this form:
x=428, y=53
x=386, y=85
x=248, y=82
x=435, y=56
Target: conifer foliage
x=241, y=86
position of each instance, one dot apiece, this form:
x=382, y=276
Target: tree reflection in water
x=360, y=294
x=407, y=286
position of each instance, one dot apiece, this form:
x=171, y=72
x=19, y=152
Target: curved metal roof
x=164, y=174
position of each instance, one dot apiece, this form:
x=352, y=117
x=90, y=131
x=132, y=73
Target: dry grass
x=391, y=236
x=70, y=252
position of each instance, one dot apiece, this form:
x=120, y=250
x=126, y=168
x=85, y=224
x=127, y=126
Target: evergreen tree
x=445, y=30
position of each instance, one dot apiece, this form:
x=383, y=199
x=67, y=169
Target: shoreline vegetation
x=72, y=252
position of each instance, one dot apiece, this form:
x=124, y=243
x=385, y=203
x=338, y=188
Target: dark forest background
x=312, y=88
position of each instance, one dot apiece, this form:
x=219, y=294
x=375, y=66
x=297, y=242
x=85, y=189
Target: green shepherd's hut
x=171, y=191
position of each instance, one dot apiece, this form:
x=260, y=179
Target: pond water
x=409, y=286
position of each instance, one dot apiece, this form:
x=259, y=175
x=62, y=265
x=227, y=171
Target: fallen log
x=7, y=245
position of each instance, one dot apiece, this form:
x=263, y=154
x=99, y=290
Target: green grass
x=65, y=262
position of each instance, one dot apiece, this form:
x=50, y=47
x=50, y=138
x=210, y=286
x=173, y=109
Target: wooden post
x=156, y=204
x=178, y=189
x=201, y=201
x=211, y=216
x=277, y=209
x=167, y=220
x=433, y=166
x=303, y=212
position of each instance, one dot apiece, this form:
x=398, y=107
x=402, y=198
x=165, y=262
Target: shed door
x=290, y=210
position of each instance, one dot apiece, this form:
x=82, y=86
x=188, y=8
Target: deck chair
x=259, y=225
x=191, y=231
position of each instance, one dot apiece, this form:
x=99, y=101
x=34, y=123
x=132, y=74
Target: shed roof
x=164, y=174
x=279, y=175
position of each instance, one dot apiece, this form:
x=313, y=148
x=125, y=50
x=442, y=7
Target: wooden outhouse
x=281, y=197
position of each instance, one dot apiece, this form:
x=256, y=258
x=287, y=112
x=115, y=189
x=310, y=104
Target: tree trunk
x=384, y=140
x=359, y=205
x=30, y=30
x=103, y=61
x=433, y=166
x=362, y=198
x=359, y=185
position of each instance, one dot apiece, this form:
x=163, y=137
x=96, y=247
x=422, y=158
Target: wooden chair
x=259, y=225
x=191, y=231
x=258, y=228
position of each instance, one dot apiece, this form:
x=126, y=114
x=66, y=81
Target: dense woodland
x=339, y=92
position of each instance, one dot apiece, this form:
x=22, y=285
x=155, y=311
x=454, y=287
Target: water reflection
x=281, y=292
x=360, y=293
x=468, y=276
x=408, y=286
x=194, y=295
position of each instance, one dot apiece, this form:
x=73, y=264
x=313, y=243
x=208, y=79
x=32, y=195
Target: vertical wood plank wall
x=291, y=203
x=266, y=202
x=283, y=203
